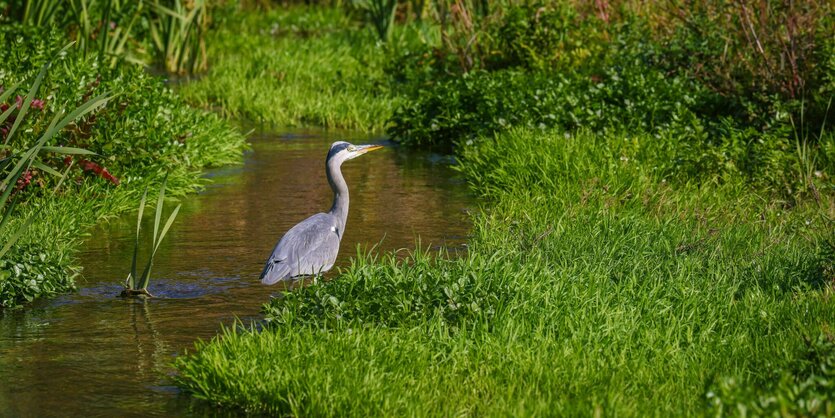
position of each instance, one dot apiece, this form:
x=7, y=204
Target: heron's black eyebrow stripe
x=337, y=149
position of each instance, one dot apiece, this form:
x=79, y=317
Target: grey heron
x=310, y=247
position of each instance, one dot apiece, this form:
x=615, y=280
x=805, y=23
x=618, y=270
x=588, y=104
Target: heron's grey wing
x=308, y=248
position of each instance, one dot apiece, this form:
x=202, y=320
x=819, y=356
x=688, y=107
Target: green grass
x=683, y=272
x=593, y=283
x=297, y=67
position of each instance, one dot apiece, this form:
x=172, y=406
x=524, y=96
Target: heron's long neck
x=340, y=194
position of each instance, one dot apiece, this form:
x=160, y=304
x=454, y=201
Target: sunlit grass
x=592, y=284
x=288, y=69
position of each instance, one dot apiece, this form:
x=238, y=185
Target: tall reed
x=380, y=14
x=167, y=32
x=177, y=32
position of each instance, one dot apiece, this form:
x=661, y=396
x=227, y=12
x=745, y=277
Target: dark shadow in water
x=92, y=354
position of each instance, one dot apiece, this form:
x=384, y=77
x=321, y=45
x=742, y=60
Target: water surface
x=92, y=354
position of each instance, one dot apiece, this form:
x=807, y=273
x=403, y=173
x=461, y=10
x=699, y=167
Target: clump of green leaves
x=804, y=388
x=409, y=292
x=481, y=103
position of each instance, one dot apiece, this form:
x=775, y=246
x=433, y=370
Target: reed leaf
x=6, y=94
x=27, y=101
x=6, y=215
x=29, y=158
x=5, y=115
x=67, y=150
x=146, y=275
x=63, y=177
x=45, y=168
x=177, y=35
x=26, y=158
x=82, y=110
x=131, y=282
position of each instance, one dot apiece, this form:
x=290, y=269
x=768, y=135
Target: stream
x=90, y=353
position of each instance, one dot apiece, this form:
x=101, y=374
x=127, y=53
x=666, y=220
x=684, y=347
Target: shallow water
x=92, y=354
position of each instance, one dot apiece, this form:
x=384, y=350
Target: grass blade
x=29, y=154
x=43, y=167
x=146, y=275
x=82, y=110
x=28, y=100
x=6, y=186
x=158, y=214
x=7, y=214
x=11, y=240
x=63, y=177
x=6, y=94
x=167, y=225
x=68, y=150
x=132, y=275
x=5, y=116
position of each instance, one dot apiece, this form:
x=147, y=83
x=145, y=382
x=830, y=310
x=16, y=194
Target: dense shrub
x=481, y=103
x=30, y=272
x=145, y=124
x=694, y=77
x=763, y=58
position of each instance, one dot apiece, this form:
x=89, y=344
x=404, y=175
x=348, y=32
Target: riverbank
x=142, y=133
x=607, y=290
x=638, y=253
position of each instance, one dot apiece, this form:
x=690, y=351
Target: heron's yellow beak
x=368, y=148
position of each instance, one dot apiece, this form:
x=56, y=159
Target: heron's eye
x=352, y=148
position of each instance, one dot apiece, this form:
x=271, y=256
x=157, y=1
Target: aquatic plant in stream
x=137, y=285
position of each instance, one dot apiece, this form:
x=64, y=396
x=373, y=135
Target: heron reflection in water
x=310, y=247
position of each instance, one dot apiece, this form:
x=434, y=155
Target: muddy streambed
x=92, y=354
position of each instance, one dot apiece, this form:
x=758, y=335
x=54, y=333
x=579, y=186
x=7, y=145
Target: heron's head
x=342, y=151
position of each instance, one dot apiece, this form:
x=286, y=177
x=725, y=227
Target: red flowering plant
x=19, y=168
x=12, y=118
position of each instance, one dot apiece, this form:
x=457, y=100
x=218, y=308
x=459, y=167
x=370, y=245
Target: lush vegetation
x=143, y=132
x=656, y=235
x=590, y=283
x=657, y=229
